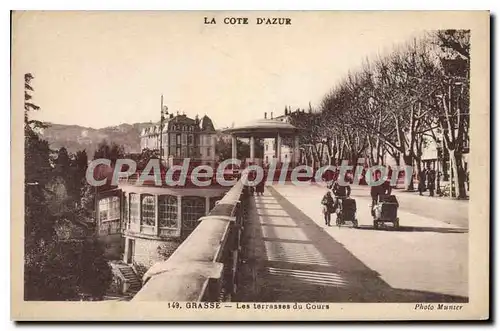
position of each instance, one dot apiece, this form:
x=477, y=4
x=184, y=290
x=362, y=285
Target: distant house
x=183, y=137
x=141, y=223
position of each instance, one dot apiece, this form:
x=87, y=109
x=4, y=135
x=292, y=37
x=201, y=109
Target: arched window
x=148, y=209
x=134, y=208
x=167, y=217
x=192, y=209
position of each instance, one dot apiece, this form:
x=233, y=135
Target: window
x=267, y=147
x=103, y=209
x=148, y=210
x=208, y=151
x=178, y=139
x=190, y=139
x=184, y=139
x=109, y=208
x=125, y=211
x=192, y=209
x=167, y=217
x=134, y=208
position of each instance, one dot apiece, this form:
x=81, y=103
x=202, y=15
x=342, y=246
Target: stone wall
x=149, y=251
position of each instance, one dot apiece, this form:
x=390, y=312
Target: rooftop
x=205, y=124
x=263, y=127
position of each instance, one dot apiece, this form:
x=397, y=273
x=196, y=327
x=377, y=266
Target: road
x=295, y=257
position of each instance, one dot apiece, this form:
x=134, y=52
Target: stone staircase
x=132, y=279
x=127, y=282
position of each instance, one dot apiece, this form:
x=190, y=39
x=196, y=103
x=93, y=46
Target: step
x=129, y=274
x=135, y=284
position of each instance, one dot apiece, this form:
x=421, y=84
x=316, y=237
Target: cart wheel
x=337, y=220
x=396, y=223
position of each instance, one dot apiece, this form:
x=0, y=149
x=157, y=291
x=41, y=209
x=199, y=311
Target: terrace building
x=141, y=224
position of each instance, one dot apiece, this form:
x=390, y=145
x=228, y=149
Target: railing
x=204, y=266
x=133, y=179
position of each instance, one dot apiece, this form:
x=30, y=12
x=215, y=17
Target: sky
x=99, y=69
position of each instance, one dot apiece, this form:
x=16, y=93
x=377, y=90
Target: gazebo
x=265, y=128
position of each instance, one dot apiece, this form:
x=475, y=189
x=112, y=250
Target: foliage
x=111, y=152
x=67, y=270
x=143, y=158
x=56, y=269
x=396, y=105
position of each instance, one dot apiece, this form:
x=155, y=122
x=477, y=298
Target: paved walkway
x=291, y=257
x=447, y=210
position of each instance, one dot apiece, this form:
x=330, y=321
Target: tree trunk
x=397, y=159
x=373, y=159
x=408, y=160
x=458, y=178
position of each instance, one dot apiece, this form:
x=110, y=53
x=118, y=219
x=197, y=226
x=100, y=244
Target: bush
x=66, y=271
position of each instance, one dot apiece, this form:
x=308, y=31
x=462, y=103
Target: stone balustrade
x=204, y=266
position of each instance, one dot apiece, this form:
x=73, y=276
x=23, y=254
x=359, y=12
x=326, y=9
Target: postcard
x=248, y=166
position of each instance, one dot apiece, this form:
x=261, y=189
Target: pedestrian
x=259, y=189
x=340, y=192
x=375, y=190
x=431, y=180
x=422, y=176
x=327, y=203
x=386, y=188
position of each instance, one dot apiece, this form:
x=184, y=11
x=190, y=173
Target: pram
x=386, y=211
x=346, y=211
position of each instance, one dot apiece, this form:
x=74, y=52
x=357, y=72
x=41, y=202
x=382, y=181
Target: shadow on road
x=413, y=229
x=292, y=259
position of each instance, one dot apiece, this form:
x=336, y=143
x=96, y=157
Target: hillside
x=75, y=137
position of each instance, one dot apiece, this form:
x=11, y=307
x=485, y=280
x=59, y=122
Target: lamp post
x=163, y=113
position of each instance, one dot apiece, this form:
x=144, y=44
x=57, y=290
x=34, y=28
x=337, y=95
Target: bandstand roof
x=263, y=128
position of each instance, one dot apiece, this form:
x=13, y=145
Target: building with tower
x=182, y=137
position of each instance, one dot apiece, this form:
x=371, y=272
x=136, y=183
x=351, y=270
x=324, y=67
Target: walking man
x=422, y=176
x=431, y=180
x=327, y=203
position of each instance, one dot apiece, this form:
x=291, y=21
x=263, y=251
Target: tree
x=143, y=158
x=95, y=273
x=55, y=269
x=111, y=152
x=310, y=139
x=451, y=99
x=38, y=222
